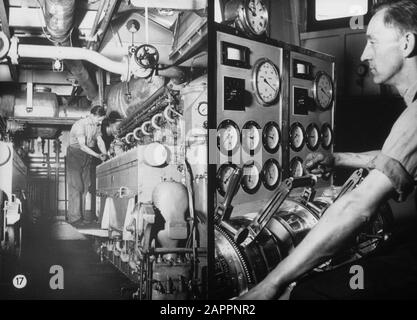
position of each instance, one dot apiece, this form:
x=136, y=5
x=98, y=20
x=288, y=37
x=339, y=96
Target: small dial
x=251, y=136
x=251, y=180
x=297, y=136
x=313, y=136
x=327, y=136
x=224, y=173
x=271, y=174
x=296, y=167
x=202, y=108
x=271, y=137
x=255, y=17
x=323, y=90
x=266, y=81
x=228, y=136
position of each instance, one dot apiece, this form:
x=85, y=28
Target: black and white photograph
x=197, y=151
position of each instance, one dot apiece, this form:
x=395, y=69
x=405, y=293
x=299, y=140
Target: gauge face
x=323, y=90
x=251, y=137
x=266, y=82
x=255, y=17
x=228, y=136
x=297, y=136
x=224, y=173
x=251, y=180
x=327, y=136
x=296, y=167
x=202, y=108
x=271, y=137
x=271, y=174
x=313, y=136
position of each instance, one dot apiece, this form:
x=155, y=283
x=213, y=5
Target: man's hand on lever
x=318, y=163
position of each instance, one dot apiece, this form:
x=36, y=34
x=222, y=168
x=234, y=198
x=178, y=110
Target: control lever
x=351, y=183
x=224, y=209
x=247, y=234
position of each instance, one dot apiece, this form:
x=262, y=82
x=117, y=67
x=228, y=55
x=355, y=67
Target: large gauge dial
x=228, y=136
x=327, y=136
x=297, y=136
x=271, y=137
x=266, y=81
x=271, y=174
x=323, y=90
x=296, y=167
x=251, y=180
x=251, y=136
x=313, y=136
x=224, y=174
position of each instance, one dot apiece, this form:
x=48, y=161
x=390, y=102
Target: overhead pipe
x=59, y=19
x=67, y=53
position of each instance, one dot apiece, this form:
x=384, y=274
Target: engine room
x=152, y=150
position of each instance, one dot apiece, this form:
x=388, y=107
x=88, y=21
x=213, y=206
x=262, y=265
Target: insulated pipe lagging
x=59, y=18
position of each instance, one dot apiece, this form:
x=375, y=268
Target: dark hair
x=114, y=116
x=399, y=13
x=98, y=111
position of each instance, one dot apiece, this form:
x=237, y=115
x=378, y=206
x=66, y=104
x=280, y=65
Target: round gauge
x=251, y=136
x=266, y=81
x=323, y=90
x=271, y=174
x=228, y=136
x=253, y=17
x=297, y=136
x=327, y=136
x=251, y=180
x=313, y=136
x=296, y=167
x=224, y=173
x=271, y=137
x=202, y=108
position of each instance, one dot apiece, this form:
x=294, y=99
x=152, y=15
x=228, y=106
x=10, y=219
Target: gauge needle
x=322, y=90
x=266, y=81
x=251, y=8
x=227, y=179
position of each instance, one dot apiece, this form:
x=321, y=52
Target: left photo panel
x=104, y=149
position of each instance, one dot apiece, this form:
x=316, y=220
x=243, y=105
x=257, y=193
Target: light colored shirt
x=87, y=130
x=398, y=157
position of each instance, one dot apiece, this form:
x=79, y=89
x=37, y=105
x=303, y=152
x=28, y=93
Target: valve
x=146, y=56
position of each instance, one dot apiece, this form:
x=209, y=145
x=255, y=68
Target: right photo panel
x=311, y=194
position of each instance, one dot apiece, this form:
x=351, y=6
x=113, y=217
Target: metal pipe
x=59, y=19
x=72, y=53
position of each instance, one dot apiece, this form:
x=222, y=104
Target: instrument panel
x=310, y=108
x=249, y=87
x=274, y=105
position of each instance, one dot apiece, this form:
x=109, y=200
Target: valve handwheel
x=147, y=56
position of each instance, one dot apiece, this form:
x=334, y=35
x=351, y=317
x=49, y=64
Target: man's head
x=391, y=40
x=97, y=113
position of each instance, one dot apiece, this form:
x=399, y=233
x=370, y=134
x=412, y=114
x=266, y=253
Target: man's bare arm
x=354, y=160
x=101, y=145
x=340, y=222
x=86, y=149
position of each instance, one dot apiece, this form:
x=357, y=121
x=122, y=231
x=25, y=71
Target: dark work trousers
x=79, y=178
x=390, y=273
